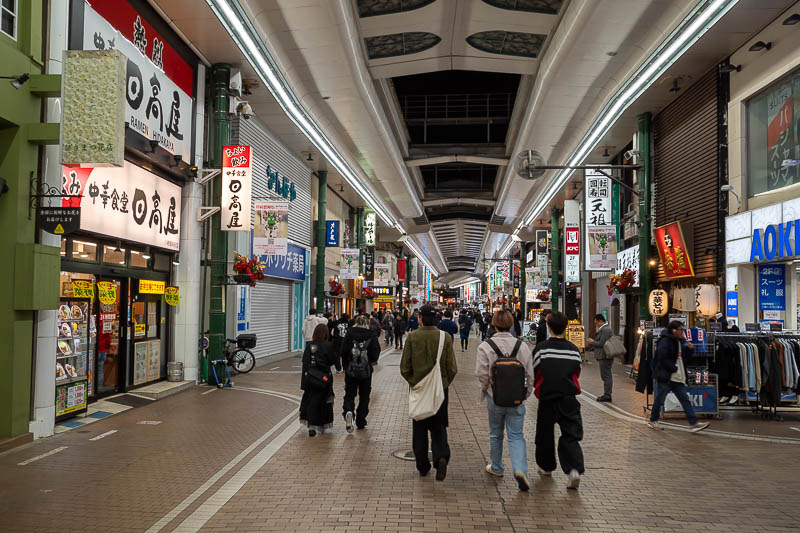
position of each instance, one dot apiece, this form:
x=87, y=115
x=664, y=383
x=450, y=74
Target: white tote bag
x=426, y=397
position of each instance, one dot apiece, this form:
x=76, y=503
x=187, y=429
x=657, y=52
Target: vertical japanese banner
x=382, y=274
x=369, y=263
x=401, y=270
x=369, y=229
x=349, y=268
x=237, y=178
x=271, y=228
x=572, y=242
x=601, y=234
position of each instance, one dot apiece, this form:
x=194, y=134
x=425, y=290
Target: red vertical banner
x=401, y=269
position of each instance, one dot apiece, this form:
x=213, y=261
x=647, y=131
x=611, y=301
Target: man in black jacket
x=340, y=328
x=541, y=327
x=669, y=374
x=556, y=367
x=359, y=339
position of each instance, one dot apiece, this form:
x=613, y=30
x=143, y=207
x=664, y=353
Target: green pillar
x=555, y=256
x=522, y=300
x=220, y=76
x=321, y=217
x=643, y=141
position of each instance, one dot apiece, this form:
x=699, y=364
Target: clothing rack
x=758, y=402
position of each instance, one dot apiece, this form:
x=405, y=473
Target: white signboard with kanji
x=237, y=186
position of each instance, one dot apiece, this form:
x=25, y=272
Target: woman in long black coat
x=316, y=406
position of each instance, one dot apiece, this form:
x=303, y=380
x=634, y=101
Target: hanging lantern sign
x=658, y=302
x=706, y=297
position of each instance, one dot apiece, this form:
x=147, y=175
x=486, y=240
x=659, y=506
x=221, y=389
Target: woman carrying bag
x=316, y=406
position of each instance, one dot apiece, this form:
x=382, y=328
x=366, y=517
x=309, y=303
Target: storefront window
x=84, y=250
x=139, y=258
x=161, y=263
x=773, y=136
x=113, y=255
x=63, y=247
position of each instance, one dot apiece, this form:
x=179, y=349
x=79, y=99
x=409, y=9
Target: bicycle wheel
x=243, y=361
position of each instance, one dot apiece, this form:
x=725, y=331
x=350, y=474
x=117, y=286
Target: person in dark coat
x=447, y=325
x=464, y=329
x=413, y=321
x=518, y=322
x=340, y=328
x=669, y=373
x=316, y=405
x=541, y=327
x=358, y=337
x=400, y=326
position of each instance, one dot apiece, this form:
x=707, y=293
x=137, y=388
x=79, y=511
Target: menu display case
x=74, y=350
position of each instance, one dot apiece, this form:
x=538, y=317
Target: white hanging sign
x=382, y=274
x=237, y=185
x=369, y=229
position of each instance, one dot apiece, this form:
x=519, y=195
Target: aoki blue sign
x=280, y=184
x=775, y=242
x=332, y=233
x=290, y=266
x=771, y=288
x=732, y=304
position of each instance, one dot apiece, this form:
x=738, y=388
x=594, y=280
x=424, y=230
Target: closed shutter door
x=270, y=316
x=686, y=180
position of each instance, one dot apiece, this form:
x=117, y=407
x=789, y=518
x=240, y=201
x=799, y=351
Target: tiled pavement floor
x=636, y=480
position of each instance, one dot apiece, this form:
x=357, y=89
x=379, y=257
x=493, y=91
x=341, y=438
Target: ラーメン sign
x=237, y=185
x=126, y=203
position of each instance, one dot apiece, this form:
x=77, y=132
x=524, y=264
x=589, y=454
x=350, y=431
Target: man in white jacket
x=311, y=322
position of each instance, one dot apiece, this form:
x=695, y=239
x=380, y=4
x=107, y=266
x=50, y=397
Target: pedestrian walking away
x=340, y=329
x=399, y=330
x=388, y=327
x=603, y=333
x=447, y=325
x=419, y=359
x=556, y=367
x=464, y=329
x=505, y=364
x=669, y=374
x=316, y=405
x=310, y=323
x=541, y=327
x=360, y=352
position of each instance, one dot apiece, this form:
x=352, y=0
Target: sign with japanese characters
x=658, y=302
x=148, y=286
x=59, y=220
x=271, y=228
x=93, y=108
x=349, y=268
x=382, y=274
x=369, y=263
x=159, y=83
x=82, y=288
x=572, y=242
x=291, y=265
x=628, y=259
x=127, y=203
x=673, y=251
x=601, y=233
x=384, y=291
x=237, y=186
x=369, y=229
x=332, y=233
x=541, y=241
x=280, y=184
x=771, y=288
x=107, y=292
x=172, y=296
x=401, y=270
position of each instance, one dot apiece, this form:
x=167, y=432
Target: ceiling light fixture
x=761, y=45
x=17, y=81
x=791, y=20
x=309, y=158
x=235, y=20
x=693, y=27
x=726, y=68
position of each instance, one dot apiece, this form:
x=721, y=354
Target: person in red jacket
x=556, y=368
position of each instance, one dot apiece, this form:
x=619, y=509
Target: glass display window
x=113, y=255
x=84, y=250
x=76, y=335
x=139, y=258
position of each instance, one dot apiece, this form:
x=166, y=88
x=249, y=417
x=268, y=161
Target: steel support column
x=319, y=291
x=643, y=145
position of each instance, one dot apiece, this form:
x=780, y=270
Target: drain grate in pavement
x=408, y=455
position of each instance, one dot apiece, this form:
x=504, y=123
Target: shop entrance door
x=112, y=348
x=147, y=325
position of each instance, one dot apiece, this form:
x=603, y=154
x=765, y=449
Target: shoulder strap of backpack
x=516, y=349
x=491, y=343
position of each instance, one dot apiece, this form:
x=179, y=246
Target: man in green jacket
x=419, y=358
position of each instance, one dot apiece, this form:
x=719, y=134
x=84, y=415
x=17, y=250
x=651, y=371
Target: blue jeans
x=512, y=418
x=680, y=392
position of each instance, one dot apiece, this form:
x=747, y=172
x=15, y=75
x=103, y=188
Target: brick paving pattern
x=636, y=479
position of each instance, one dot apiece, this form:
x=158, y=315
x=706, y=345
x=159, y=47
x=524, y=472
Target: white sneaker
x=544, y=473
x=348, y=421
x=492, y=472
x=574, y=480
x=654, y=425
x=700, y=426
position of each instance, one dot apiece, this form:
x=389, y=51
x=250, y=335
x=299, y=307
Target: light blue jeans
x=512, y=419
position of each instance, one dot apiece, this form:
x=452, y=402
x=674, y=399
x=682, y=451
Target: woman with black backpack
x=316, y=406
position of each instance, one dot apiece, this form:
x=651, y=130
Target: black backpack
x=508, y=377
x=359, y=367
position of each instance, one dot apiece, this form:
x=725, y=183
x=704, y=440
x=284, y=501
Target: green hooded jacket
x=419, y=356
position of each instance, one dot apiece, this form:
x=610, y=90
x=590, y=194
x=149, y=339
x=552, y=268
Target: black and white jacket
x=556, y=368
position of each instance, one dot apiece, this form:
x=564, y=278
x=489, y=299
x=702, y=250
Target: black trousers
x=566, y=412
x=437, y=426
x=398, y=340
x=362, y=387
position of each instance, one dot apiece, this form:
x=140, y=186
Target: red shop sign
x=673, y=252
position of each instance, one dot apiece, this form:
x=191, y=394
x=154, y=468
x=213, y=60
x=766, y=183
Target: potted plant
x=621, y=283
x=247, y=271
x=368, y=293
x=335, y=288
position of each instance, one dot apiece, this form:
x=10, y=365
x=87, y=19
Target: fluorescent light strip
x=235, y=21
x=416, y=251
x=700, y=20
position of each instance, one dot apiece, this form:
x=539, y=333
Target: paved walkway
x=236, y=460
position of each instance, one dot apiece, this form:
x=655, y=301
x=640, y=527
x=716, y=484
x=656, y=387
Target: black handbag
x=318, y=378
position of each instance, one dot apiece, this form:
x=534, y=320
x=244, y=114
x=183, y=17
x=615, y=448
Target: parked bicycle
x=238, y=355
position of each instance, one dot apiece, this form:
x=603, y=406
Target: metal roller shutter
x=686, y=180
x=271, y=315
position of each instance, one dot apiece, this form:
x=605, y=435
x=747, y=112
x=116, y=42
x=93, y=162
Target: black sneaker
x=441, y=469
x=361, y=426
x=604, y=399
x=312, y=433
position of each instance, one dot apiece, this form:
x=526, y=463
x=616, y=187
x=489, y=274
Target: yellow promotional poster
x=172, y=296
x=148, y=286
x=139, y=329
x=82, y=288
x=107, y=292
x=575, y=335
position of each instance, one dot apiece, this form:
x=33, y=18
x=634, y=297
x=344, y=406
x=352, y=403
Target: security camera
x=245, y=110
x=632, y=154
